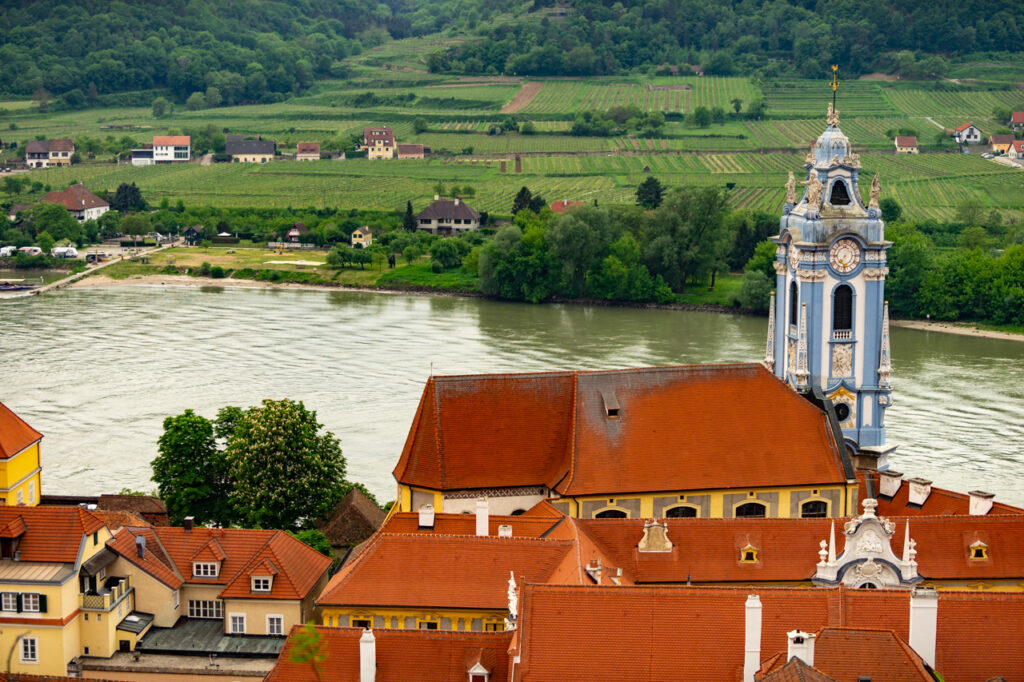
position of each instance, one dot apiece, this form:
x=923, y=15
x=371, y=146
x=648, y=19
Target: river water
x=97, y=371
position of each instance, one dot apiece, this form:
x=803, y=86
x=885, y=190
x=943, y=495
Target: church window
x=751, y=510
x=814, y=509
x=842, y=411
x=839, y=196
x=793, y=301
x=842, y=308
x=867, y=586
x=611, y=514
x=680, y=512
x=518, y=512
x=748, y=555
x=363, y=623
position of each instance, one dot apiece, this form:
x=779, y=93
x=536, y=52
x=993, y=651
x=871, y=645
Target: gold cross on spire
x=834, y=83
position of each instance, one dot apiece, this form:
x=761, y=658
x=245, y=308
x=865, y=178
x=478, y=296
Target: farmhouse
x=193, y=234
x=410, y=151
x=379, y=142
x=1017, y=120
x=447, y=217
x=172, y=148
x=968, y=133
x=251, y=151
x=1001, y=144
x=307, y=151
x=83, y=204
x=46, y=153
x=362, y=237
x=906, y=144
x=1017, y=150
x=295, y=232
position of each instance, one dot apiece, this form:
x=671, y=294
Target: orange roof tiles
x=562, y=205
x=963, y=127
x=441, y=571
x=401, y=655
x=75, y=198
x=465, y=524
x=979, y=636
x=553, y=429
x=307, y=148
x=15, y=433
x=940, y=502
x=295, y=566
x=154, y=560
x=793, y=671
x=52, y=534
x=171, y=141
x=844, y=653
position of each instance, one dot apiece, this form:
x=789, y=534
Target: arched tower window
x=610, y=514
x=839, y=196
x=681, y=512
x=813, y=509
x=842, y=308
x=751, y=509
x=793, y=304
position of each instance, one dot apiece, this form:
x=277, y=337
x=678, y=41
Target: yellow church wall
x=412, y=618
x=21, y=474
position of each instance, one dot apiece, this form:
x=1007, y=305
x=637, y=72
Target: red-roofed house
x=624, y=443
x=410, y=151
x=20, y=463
x=1016, y=150
x=46, y=153
x=80, y=202
x=307, y=151
x=172, y=148
x=906, y=144
x=1017, y=120
x=968, y=133
x=379, y=142
x=1001, y=144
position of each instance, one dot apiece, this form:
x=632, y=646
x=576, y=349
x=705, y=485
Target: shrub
x=217, y=272
x=436, y=266
x=204, y=269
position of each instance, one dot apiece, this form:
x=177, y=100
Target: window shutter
x=42, y=603
x=19, y=602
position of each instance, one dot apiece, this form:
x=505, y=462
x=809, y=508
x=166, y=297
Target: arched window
x=794, y=295
x=518, y=512
x=842, y=308
x=868, y=586
x=680, y=512
x=839, y=196
x=610, y=514
x=814, y=509
x=751, y=509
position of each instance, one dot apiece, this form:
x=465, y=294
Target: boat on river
x=16, y=285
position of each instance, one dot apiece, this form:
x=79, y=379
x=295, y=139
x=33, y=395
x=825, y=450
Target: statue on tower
x=833, y=116
x=791, y=189
x=814, y=188
x=876, y=191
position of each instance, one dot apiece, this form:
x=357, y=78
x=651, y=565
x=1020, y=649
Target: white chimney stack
x=924, y=622
x=801, y=645
x=456, y=201
x=504, y=531
x=752, y=638
x=889, y=483
x=367, y=657
x=427, y=516
x=981, y=502
x=919, y=491
x=436, y=197
x=482, y=519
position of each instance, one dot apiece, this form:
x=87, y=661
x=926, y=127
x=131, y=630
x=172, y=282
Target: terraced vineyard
x=800, y=99
x=677, y=94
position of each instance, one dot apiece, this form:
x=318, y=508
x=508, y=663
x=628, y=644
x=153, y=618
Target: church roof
x=634, y=430
x=846, y=653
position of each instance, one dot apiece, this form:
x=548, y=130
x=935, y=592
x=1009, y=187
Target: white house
x=968, y=133
x=80, y=202
x=171, y=148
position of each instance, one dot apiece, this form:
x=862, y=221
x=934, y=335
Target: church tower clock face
x=844, y=255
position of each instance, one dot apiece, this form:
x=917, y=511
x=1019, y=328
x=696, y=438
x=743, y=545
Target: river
x=97, y=370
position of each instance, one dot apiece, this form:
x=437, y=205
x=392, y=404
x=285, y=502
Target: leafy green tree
x=410, y=253
x=537, y=203
x=135, y=225
x=891, y=210
x=190, y=472
x=315, y=539
x=755, y=291
x=737, y=105
x=910, y=260
x=45, y=242
x=286, y=473
x=649, y=193
x=974, y=237
x=718, y=115
x=308, y=647
x=213, y=97
x=579, y=239
x=196, y=101
x=161, y=107
x=419, y=125
x=757, y=110
x=522, y=200
x=52, y=218
x=970, y=211
x=409, y=219
x=702, y=117
x=446, y=252
x=127, y=198
x=687, y=235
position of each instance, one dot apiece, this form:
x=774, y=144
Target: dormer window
x=205, y=569
x=261, y=583
x=979, y=551
x=748, y=555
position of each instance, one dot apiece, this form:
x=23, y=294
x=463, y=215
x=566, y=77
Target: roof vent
x=611, y=404
x=504, y=531
x=426, y=516
x=981, y=502
x=920, y=489
x=140, y=546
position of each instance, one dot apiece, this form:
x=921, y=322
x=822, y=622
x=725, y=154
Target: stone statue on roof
x=513, y=596
x=791, y=189
x=876, y=191
x=814, y=188
x=833, y=116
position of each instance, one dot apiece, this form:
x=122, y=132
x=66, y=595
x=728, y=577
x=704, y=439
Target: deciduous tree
x=190, y=472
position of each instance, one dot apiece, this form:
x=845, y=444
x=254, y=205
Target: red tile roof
x=172, y=141
x=15, y=433
x=465, y=524
x=793, y=671
x=115, y=520
x=1018, y=146
x=383, y=133
x=75, y=198
x=562, y=205
x=979, y=636
x=1017, y=117
x=307, y=148
x=908, y=141
x=965, y=126
x=61, y=145
x=404, y=149
x=52, y=534
x=154, y=560
x=552, y=429
x=442, y=571
x=940, y=502
x=847, y=653
x=1001, y=139
x=296, y=568
x=401, y=655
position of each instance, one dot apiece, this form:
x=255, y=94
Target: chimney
x=189, y=522
x=140, y=546
x=920, y=489
x=752, y=639
x=437, y=197
x=801, y=645
x=981, y=502
x=504, y=531
x=889, y=483
x=456, y=201
x=426, y=516
x=367, y=657
x=924, y=622
x=481, y=517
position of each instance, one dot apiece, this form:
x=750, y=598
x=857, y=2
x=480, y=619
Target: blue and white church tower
x=829, y=321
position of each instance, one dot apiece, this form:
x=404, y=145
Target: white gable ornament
x=867, y=559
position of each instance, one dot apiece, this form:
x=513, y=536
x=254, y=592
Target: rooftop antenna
x=834, y=83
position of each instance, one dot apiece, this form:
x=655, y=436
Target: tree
x=161, y=107
x=446, y=252
x=891, y=210
x=737, y=105
x=419, y=125
x=45, y=242
x=757, y=110
x=286, y=473
x=702, y=117
x=135, y=225
x=755, y=291
x=196, y=101
x=579, y=238
x=308, y=647
x=969, y=211
x=190, y=472
x=522, y=200
x=649, y=193
x=127, y=198
x=213, y=97
x=687, y=237
x=315, y=539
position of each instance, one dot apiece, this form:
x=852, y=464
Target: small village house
x=362, y=237
x=1016, y=150
x=1017, y=121
x=295, y=233
x=968, y=133
x=250, y=151
x=379, y=142
x=1001, y=144
x=172, y=148
x=193, y=235
x=80, y=202
x=20, y=483
x=307, y=151
x=410, y=151
x=447, y=217
x=906, y=144
x=143, y=156
x=15, y=209
x=46, y=153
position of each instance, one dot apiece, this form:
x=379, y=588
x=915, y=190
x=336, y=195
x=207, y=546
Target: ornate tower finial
x=884, y=363
x=769, y=352
x=801, y=351
x=835, y=87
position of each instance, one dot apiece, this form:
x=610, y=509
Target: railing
x=842, y=334
x=109, y=597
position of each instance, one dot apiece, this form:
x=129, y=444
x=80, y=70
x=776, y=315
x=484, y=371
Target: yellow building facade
x=20, y=463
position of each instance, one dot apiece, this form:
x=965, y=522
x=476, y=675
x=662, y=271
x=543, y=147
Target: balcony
x=113, y=591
